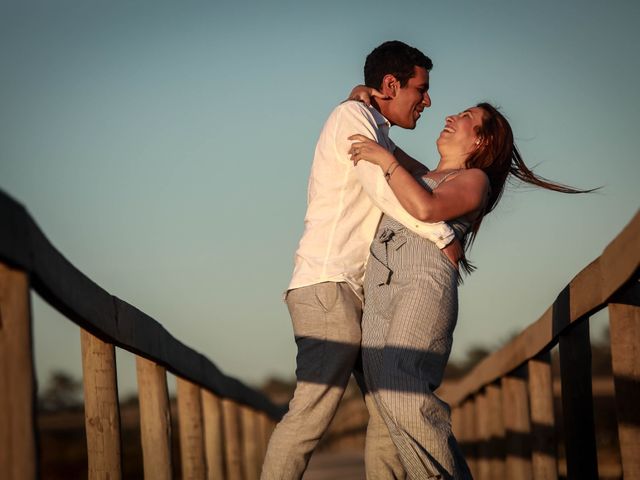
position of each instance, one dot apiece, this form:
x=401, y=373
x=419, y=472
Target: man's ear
x=390, y=85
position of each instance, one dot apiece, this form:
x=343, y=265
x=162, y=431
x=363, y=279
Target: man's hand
x=454, y=251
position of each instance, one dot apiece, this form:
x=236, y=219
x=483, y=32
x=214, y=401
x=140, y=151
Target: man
x=345, y=204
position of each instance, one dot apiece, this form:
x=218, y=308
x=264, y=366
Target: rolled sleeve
x=355, y=118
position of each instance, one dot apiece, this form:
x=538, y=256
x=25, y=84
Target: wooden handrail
x=590, y=290
x=23, y=245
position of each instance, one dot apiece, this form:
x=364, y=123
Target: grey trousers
x=326, y=323
x=410, y=312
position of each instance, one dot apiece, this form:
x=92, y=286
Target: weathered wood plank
x=624, y=321
x=101, y=408
x=483, y=437
x=468, y=437
x=577, y=402
x=191, y=430
x=232, y=439
x=213, y=435
x=497, y=431
x=515, y=407
x=155, y=419
x=266, y=426
x=17, y=392
x=250, y=447
x=544, y=455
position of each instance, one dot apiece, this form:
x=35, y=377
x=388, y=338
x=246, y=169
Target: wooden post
x=250, y=449
x=213, y=435
x=497, y=432
x=624, y=321
x=155, y=419
x=468, y=438
x=17, y=393
x=456, y=422
x=233, y=452
x=266, y=426
x=483, y=435
x=515, y=408
x=101, y=408
x=577, y=401
x=544, y=456
x=263, y=435
x=191, y=430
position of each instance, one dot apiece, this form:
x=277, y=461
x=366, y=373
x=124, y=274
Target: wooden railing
x=502, y=411
x=223, y=424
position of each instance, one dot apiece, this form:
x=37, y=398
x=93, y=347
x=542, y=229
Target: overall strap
x=447, y=175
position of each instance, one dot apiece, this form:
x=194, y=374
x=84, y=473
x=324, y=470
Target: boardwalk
x=331, y=466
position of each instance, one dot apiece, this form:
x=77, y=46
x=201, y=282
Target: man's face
x=409, y=101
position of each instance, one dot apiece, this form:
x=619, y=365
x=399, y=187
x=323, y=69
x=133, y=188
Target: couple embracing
x=376, y=270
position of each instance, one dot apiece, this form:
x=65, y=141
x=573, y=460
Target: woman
x=411, y=303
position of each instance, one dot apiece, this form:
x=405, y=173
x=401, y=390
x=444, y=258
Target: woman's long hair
x=498, y=157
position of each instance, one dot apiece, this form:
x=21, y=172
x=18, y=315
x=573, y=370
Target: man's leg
x=326, y=323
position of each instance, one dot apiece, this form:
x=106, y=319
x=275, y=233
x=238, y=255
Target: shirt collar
x=380, y=119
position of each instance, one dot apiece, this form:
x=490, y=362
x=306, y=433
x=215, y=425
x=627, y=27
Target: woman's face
x=459, y=135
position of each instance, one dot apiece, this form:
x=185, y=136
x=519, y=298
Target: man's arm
x=413, y=166
x=355, y=118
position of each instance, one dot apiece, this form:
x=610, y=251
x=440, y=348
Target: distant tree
x=601, y=355
x=278, y=390
x=61, y=392
x=473, y=356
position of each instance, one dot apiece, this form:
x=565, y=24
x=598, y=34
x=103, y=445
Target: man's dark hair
x=395, y=58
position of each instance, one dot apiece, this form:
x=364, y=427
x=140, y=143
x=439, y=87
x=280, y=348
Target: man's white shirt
x=345, y=203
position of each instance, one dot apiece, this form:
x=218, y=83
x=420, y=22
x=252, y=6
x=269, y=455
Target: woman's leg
x=415, y=346
x=382, y=461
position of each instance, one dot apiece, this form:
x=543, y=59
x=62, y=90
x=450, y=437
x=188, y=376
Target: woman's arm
x=409, y=163
x=463, y=194
x=364, y=94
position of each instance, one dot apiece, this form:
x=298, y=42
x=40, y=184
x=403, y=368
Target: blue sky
x=164, y=148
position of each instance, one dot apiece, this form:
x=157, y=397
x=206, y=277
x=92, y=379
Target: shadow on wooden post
x=625, y=358
x=577, y=402
x=469, y=436
x=483, y=435
x=497, y=431
x=544, y=457
x=515, y=407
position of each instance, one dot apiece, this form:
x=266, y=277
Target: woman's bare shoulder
x=473, y=175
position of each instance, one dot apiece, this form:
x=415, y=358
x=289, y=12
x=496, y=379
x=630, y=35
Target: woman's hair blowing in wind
x=498, y=157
